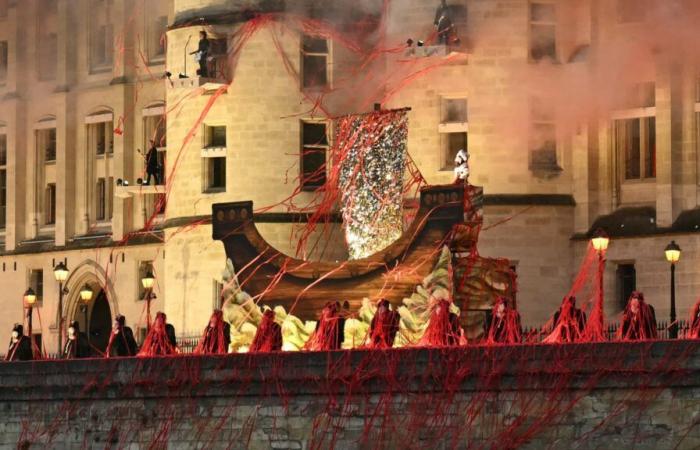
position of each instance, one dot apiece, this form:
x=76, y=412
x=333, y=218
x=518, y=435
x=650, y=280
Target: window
x=47, y=141
x=452, y=143
x=3, y=61
x=216, y=136
x=50, y=214
x=454, y=110
x=101, y=198
x=101, y=34
x=635, y=141
x=154, y=128
x=36, y=282
x=156, y=47
x=3, y=197
x=543, y=31
x=101, y=138
x=3, y=149
x=453, y=130
x=215, y=177
x=626, y=283
x=144, y=268
x=315, y=56
x=631, y=11
x=314, y=140
x=543, y=139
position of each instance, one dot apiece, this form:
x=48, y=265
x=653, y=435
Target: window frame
x=532, y=24
x=328, y=57
x=303, y=182
x=209, y=177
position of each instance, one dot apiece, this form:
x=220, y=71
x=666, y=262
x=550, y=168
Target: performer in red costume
x=694, y=332
x=216, y=337
x=567, y=324
x=638, y=319
x=161, y=338
x=503, y=327
x=443, y=326
x=330, y=330
x=384, y=326
x=268, y=337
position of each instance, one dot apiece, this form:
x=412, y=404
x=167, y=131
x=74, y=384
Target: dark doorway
x=100, y=322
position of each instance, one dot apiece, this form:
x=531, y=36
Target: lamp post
x=673, y=254
x=594, y=327
x=29, y=300
x=60, y=272
x=86, y=296
x=147, y=281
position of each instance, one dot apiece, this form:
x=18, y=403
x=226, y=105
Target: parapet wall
x=616, y=395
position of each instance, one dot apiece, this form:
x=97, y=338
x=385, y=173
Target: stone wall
x=631, y=395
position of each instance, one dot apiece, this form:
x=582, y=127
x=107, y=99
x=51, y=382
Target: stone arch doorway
x=100, y=322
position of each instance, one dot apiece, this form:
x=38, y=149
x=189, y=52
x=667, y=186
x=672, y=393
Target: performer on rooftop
x=121, y=341
x=160, y=340
x=268, y=337
x=384, y=326
x=330, y=330
x=77, y=343
x=503, y=326
x=20, y=348
x=443, y=327
x=217, y=335
x=568, y=322
x=638, y=319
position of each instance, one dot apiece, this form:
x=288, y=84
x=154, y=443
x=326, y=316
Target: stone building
x=562, y=137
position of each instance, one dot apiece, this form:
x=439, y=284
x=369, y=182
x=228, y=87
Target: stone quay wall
x=609, y=395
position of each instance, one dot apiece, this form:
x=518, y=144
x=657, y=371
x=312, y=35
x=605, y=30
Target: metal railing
x=535, y=334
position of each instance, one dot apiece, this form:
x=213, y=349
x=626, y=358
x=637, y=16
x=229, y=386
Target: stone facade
x=537, y=208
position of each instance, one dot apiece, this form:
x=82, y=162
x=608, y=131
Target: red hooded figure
x=503, y=327
x=694, y=332
x=638, y=320
x=160, y=339
x=330, y=330
x=268, y=337
x=443, y=326
x=384, y=326
x=568, y=323
x=216, y=337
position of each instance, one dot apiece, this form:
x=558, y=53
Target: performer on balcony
x=77, y=343
x=202, y=54
x=121, y=341
x=20, y=348
x=443, y=23
x=330, y=330
x=443, y=327
x=694, y=331
x=638, y=319
x=217, y=336
x=160, y=340
x=503, y=326
x=461, y=169
x=152, y=169
x=384, y=326
x=567, y=324
x=268, y=337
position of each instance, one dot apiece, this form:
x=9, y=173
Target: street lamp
x=147, y=281
x=595, y=325
x=86, y=296
x=60, y=272
x=29, y=301
x=673, y=255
